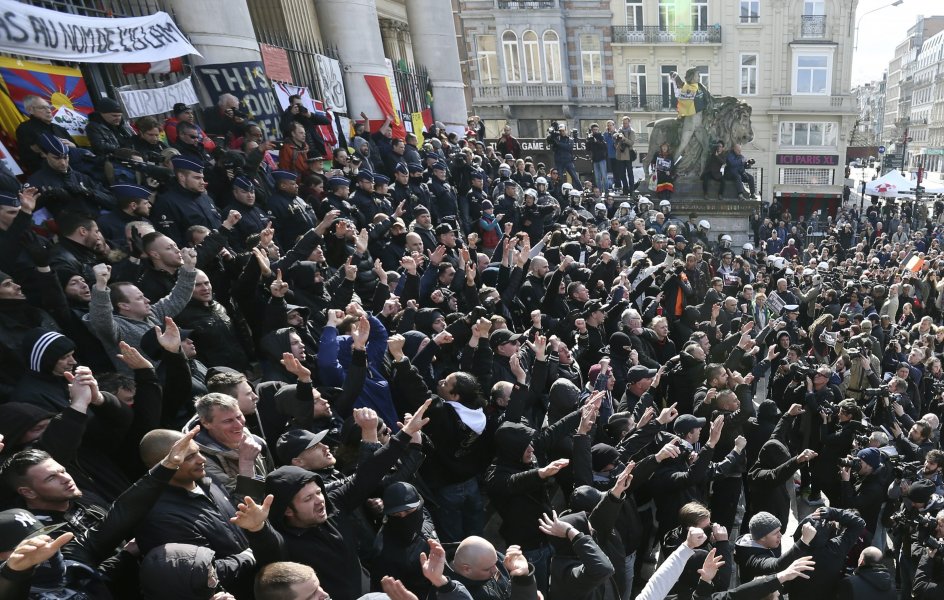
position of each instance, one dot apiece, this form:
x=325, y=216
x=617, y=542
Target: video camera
x=802, y=370
x=921, y=524
x=151, y=166
x=851, y=462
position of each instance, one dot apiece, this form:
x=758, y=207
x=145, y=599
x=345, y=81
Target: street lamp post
x=859, y=22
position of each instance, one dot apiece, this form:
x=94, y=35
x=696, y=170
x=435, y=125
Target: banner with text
x=248, y=82
x=40, y=32
x=140, y=103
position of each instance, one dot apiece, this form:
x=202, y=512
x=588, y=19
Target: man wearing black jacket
x=315, y=527
x=837, y=531
x=870, y=580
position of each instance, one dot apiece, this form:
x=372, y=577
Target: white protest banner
x=331, y=83
x=775, y=303
x=8, y=159
x=283, y=91
x=32, y=31
x=141, y=103
x=72, y=121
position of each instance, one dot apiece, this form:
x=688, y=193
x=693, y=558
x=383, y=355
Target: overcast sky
x=881, y=31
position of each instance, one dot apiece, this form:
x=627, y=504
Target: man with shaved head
x=478, y=567
x=871, y=580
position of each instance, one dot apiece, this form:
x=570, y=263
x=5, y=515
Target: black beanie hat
x=108, y=105
x=43, y=348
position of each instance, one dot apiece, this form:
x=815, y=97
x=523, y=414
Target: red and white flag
x=173, y=65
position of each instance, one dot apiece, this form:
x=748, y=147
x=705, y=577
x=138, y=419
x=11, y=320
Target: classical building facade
x=870, y=99
x=791, y=61
x=531, y=62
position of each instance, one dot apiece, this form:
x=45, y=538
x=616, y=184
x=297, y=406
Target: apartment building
x=791, y=61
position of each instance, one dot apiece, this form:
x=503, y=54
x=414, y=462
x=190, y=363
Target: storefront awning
x=808, y=191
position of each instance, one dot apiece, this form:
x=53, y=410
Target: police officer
x=291, y=216
x=252, y=218
x=337, y=199
x=382, y=202
x=134, y=204
x=472, y=207
x=418, y=185
x=185, y=203
x=400, y=190
x=445, y=203
x=363, y=196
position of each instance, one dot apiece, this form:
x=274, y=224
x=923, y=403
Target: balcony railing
x=813, y=27
x=525, y=4
x=591, y=92
x=656, y=34
x=637, y=103
x=815, y=102
x=522, y=92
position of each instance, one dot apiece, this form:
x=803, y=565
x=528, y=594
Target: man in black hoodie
x=870, y=580
x=518, y=485
x=837, y=531
x=315, y=528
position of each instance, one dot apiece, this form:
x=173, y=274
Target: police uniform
x=253, y=219
x=112, y=224
x=177, y=209
x=290, y=215
x=362, y=200
x=445, y=203
x=334, y=202
x=418, y=187
x=402, y=193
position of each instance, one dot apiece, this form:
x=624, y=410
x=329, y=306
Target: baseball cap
x=295, y=441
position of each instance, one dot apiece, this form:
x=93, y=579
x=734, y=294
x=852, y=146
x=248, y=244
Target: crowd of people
x=231, y=370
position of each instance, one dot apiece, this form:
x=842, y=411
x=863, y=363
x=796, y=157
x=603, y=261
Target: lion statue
x=726, y=119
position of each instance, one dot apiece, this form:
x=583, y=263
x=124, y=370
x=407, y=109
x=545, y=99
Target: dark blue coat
x=291, y=217
x=177, y=209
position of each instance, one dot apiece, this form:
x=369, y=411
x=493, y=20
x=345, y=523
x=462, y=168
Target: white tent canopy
x=895, y=184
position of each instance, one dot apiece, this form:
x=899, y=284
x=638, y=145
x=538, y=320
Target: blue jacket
x=334, y=359
x=735, y=165
x=177, y=209
x=563, y=149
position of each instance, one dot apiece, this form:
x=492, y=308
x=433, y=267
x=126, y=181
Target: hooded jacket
x=768, y=480
x=520, y=495
x=829, y=550
x=579, y=569
x=222, y=463
x=178, y=571
x=868, y=582
x=327, y=547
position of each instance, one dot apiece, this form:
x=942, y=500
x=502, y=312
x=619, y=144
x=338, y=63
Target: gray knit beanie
x=763, y=523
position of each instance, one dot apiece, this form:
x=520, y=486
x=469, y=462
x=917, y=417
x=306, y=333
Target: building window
x=552, y=56
x=813, y=8
x=703, y=75
x=811, y=74
x=748, y=74
x=637, y=84
x=487, y=60
x=750, y=11
x=634, y=14
x=813, y=133
x=532, y=57
x=510, y=54
x=668, y=86
x=804, y=176
x=591, y=60
x=668, y=15
x=700, y=15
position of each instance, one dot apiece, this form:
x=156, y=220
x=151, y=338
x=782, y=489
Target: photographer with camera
x=597, y=146
x=837, y=531
x=914, y=524
x=563, y=147
x=863, y=485
x=836, y=437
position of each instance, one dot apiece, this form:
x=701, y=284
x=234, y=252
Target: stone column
x=389, y=34
x=433, y=33
x=221, y=30
x=353, y=27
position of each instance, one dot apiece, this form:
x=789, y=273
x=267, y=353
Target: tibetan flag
x=383, y=94
x=173, y=65
x=62, y=87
